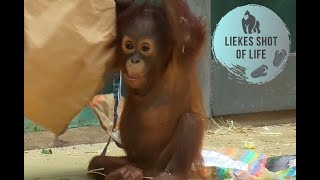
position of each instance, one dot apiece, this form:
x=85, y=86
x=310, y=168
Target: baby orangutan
x=163, y=119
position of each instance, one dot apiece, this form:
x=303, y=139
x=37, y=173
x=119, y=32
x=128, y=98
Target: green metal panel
x=85, y=118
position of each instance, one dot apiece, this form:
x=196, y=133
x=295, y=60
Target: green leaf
x=46, y=151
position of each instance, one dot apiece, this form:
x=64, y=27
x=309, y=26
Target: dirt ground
x=271, y=140
x=70, y=162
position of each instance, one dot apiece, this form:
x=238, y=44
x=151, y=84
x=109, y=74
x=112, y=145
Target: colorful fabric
x=256, y=168
x=287, y=174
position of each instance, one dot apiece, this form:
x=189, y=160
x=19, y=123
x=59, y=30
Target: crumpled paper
x=103, y=106
x=69, y=47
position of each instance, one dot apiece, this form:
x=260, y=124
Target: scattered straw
x=97, y=173
x=225, y=126
x=94, y=171
x=270, y=133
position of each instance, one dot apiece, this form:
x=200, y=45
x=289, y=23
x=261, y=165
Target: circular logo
x=252, y=43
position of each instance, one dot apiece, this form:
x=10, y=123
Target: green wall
x=85, y=118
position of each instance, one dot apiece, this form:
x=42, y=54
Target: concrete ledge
x=74, y=136
x=263, y=118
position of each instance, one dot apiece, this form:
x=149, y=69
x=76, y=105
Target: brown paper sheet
x=68, y=49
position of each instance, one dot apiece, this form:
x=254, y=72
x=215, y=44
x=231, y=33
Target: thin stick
x=98, y=173
x=148, y=178
x=215, y=122
x=95, y=170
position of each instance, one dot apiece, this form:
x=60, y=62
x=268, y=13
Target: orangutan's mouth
x=133, y=78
